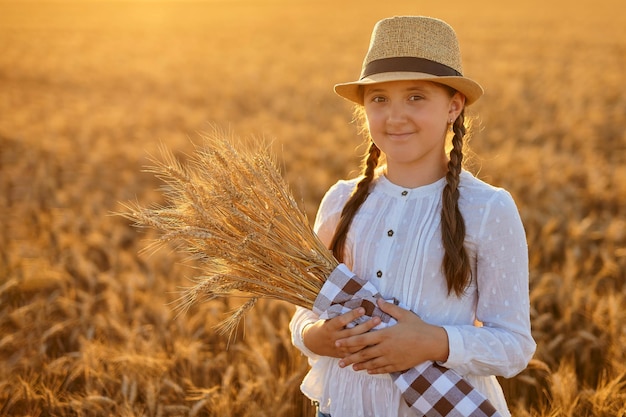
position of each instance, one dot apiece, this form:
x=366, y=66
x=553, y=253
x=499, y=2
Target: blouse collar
x=385, y=186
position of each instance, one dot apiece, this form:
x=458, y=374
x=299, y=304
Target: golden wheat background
x=88, y=89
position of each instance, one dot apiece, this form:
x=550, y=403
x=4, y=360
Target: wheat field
x=90, y=89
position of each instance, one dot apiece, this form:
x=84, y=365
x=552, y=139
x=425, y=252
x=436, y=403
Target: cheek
x=372, y=119
x=437, y=122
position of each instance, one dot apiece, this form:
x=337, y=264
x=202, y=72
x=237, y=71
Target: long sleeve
x=325, y=223
x=504, y=345
x=301, y=318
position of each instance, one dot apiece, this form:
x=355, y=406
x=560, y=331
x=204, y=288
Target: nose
x=396, y=112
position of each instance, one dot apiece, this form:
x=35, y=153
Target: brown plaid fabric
x=429, y=388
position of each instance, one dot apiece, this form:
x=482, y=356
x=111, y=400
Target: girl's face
x=408, y=121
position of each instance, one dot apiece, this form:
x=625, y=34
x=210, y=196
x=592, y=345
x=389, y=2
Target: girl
x=424, y=231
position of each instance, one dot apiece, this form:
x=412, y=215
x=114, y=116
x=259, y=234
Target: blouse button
x=390, y=233
x=404, y=193
x=379, y=274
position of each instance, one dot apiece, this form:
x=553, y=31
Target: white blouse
x=395, y=242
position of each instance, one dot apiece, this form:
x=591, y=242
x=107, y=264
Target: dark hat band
x=409, y=64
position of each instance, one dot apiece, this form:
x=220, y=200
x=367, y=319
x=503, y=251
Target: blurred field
x=89, y=88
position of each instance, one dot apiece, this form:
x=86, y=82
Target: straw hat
x=412, y=48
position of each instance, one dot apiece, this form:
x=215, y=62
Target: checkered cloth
x=429, y=388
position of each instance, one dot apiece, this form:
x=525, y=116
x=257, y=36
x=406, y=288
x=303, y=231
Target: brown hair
x=358, y=196
x=455, y=264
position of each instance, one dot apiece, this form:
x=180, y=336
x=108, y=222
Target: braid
x=456, y=265
x=360, y=193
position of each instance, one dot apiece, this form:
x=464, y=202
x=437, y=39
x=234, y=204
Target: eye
x=416, y=97
x=378, y=99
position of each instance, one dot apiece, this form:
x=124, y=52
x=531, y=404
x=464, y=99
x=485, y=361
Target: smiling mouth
x=399, y=135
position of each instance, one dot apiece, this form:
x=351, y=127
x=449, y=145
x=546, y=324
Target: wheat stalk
x=229, y=208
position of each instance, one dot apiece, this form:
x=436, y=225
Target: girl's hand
x=396, y=348
x=321, y=337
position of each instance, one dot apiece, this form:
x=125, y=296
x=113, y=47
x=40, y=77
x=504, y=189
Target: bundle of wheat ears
x=229, y=208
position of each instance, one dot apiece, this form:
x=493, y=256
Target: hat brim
x=469, y=88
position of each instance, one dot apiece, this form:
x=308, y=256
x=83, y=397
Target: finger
x=345, y=319
x=364, y=327
x=393, y=310
x=359, y=329
x=360, y=336
x=370, y=366
x=360, y=358
x=346, y=351
x=350, y=359
x=357, y=342
x=360, y=342
x=385, y=369
x=376, y=365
